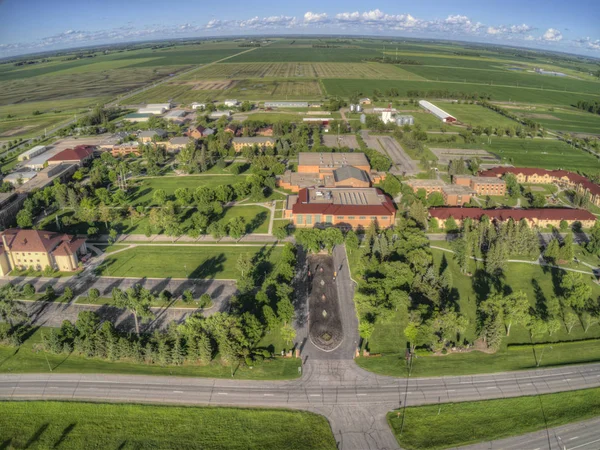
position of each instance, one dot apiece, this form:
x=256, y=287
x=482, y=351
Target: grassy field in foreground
x=92, y=425
x=26, y=359
x=457, y=424
x=218, y=262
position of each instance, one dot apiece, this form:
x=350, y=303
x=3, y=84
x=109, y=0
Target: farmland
x=292, y=54
x=302, y=70
x=565, y=121
x=347, y=87
x=544, y=153
x=476, y=115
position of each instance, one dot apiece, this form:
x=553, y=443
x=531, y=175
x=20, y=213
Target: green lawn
x=73, y=425
x=141, y=193
x=388, y=338
x=448, y=425
x=27, y=359
x=209, y=262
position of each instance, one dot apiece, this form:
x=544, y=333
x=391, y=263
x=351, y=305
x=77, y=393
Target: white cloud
x=311, y=17
x=510, y=29
x=588, y=43
x=552, y=35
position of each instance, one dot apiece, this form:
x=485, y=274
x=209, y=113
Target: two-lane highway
x=337, y=389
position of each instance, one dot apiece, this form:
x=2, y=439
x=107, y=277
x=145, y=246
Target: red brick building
x=541, y=217
x=342, y=207
x=482, y=185
x=80, y=155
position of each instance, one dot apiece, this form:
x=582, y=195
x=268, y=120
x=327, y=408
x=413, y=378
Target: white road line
x=178, y=392
x=222, y=393
x=315, y=395
x=583, y=445
x=573, y=438
x=491, y=387
x=268, y=395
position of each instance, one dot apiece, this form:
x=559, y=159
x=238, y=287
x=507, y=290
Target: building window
x=299, y=219
x=328, y=219
x=318, y=218
x=384, y=217
x=373, y=218
x=362, y=217
x=350, y=217
x=309, y=220
x=340, y=217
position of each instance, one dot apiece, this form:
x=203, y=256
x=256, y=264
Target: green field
x=544, y=153
x=568, y=122
x=347, y=87
x=475, y=115
x=28, y=359
x=292, y=54
x=389, y=340
x=458, y=424
x=74, y=425
x=505, y=78
x=208, y=262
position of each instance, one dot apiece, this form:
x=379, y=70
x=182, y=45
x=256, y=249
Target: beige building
x=453, y=194
x=22, y=249
x=261, y=142
x=482, y=185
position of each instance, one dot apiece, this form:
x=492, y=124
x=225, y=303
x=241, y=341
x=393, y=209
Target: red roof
x=515, y=214
x=79, y=153
x=302, y=206
x=39, y=241
x=528, y=171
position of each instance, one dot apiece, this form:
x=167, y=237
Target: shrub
x=93, y=294
x=205, y=300
x=28, y=290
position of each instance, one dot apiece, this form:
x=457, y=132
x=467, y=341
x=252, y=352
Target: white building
x=155, y=108
x=298, y=104
x=37, y=150
x=13, y=178
x=387, y=117
x=219, y=114
x=437, y=112
x=405, y=120
x=201, y=106
x=231, y=103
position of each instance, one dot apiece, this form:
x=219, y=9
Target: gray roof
x=152, y=133
x=254, y=140
x=343, y=173
x=179, y=140
x=208, y=131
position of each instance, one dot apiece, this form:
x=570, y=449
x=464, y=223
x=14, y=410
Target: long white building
x=32, y=152
x=155, y=108
x=438, y=112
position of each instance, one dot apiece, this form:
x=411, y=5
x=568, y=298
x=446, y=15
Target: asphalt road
x=402, y=163
x=583, y=435
x=327, y=387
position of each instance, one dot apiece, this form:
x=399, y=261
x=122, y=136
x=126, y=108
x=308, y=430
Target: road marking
x=315, y=395
x=583, y=445
x=491, y=387
x=133, y=390
x=361, y=394
x=451, y=390
x=268, y=395
x=573, y=438
x=568, y=379
x=178, y=392
x=222, y=393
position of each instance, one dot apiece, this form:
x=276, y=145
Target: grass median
x=86, y=425
x=450, y=425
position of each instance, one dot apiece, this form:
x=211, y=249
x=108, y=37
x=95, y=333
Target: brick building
x=563, y=178
x=542, y=217
x=330, y=170
x=453, y=194
x=80, y=155
x=22, y=249
x=128, y=148
x=342, y=207
x=482, y=185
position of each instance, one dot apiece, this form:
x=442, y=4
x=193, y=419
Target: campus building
x=481, y=185
x=198, y=132
x=541, y=217
x=22, y=249
x=241, y=143
x=563, y=178
x=437, y=112
x=330, y=170
x=127, y=148
x=147, y=136
x=348, y=208
x=453, y=194
x=80, y=155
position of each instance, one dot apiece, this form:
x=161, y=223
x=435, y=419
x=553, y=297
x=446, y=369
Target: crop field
x=476, y=115
x=505, y=78
x=303, y=70
x=544, y=153
x=347, y=87
x=291, y=54
x=566, y=122
x=249, y=89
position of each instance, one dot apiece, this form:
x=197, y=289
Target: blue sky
x=36, y=25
